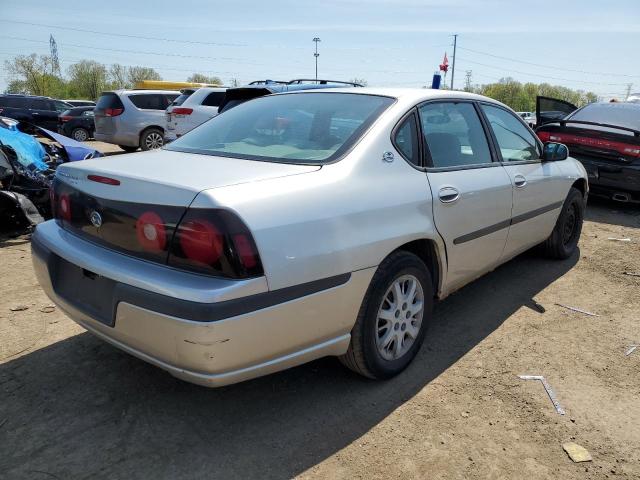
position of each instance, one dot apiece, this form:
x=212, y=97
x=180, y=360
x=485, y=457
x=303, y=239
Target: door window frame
x=426, y=157
x=494, y=140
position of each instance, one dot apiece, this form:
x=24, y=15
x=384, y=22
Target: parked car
x=302, y=225
x=605, y=138
x=259, y=88
x=40, y=111
x=132, y=119
x=77, y=123
x=528, y=117
x=81, y=103
x=193, y=107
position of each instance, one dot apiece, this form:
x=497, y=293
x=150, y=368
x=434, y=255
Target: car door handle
x=519, y=180
x=448, y=194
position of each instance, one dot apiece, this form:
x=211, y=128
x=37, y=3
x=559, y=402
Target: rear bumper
x=229, y=349
x=611, y=179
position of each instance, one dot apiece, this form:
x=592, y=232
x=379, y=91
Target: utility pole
x=453, y=67
x=55, y=62
x=467, y=82
x=629, y=87
x=316, y=54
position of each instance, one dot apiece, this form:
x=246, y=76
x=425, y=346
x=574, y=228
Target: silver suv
x=133, y=119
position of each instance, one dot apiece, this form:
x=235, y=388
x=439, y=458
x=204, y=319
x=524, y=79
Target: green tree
x=87, y=79
x=117, y=77
x=34, y=72
x=138, y=74
x=201, y=78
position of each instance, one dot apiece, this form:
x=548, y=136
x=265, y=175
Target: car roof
x=24, y=95
x=138, y=92
x=409, y=94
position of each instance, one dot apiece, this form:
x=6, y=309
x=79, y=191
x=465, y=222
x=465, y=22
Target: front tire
x=393, y=318
x=563, y=241
x=151, y=139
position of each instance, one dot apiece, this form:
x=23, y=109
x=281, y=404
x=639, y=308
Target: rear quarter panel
x=347, y=216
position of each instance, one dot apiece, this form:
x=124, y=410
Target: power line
x=608, y=74
x=82, y=30
x=503, y=69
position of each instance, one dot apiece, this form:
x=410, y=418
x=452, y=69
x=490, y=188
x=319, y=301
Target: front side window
x=406, y=140
x=454, y=135
x=292, y=128
x=515, y=141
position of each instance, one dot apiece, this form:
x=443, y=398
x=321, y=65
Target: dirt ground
x=73, y=407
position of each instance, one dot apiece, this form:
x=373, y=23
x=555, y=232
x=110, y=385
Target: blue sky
x=585, y=44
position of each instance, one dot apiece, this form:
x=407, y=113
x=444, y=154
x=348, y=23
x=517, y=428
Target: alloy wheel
x=153, y=140
x=399, y=317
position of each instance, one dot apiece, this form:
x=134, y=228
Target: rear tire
x=128, y=148
x=563, y=241
x=391, y=326
x=80, y=134
x=151, y=139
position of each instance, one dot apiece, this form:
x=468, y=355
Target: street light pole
x=453, y=68
x=316, y=54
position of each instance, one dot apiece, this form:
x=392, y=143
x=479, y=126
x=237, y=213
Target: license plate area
x=87, y=291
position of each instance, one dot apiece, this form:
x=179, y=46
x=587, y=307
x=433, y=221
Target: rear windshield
x=181, y=98
x=108, y=100
x=619, y=114
x=309, y=128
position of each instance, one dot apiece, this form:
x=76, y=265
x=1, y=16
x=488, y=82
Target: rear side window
x=214, y=99
x=13, y=102
x=406, y=140
x=169, y=99
x=60, y=106
x=179, y=100
x=515, y=141
x=109, y=100
x=40, y=104
x=149, y=101
x=453, y=134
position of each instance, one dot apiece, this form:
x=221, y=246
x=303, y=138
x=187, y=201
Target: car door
x=43, y=113
x=552, y=110
x=471, y=190
x=538, y=187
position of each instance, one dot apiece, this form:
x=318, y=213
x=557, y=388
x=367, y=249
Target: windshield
x=291, y=128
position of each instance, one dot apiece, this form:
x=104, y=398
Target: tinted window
x=39, y=104
x=181, y=98
x=109, y=100
x=406, y=140
x=169, y=99
x=13, y=102
x=60, y=106
x=213, y=99
x=515, y=141
x=149, y=101
x=453, y=134
x=619, y=114
x=295, y=128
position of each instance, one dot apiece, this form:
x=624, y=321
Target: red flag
x=444, y=66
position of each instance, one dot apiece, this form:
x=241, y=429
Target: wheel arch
x=582, y=185
x=428, y=251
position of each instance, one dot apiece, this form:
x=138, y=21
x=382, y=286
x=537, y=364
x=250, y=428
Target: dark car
x=77, y=123
x=260, y=88
x=80, y=103
x=40, y=111
x=604, y=137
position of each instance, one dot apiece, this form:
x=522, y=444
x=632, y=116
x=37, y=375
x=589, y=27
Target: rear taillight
x=113, y=112
x=594, y=142
x=64, y=207
x=182, y=111
x=105, y=180
x=544, y=136
x=214, y=242
x=64, y=118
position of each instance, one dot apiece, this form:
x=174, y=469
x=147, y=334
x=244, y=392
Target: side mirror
x=554, y=152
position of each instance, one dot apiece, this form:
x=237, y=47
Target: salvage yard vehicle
x=40, y=111
x=132, y=119
x=604, y=137
x=259, y=88
x=77, y=123
x=303, y=225
x=193, y=107
x=29, y=156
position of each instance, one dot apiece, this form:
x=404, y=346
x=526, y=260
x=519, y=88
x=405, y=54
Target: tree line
x=87, y=79
x=522, y=96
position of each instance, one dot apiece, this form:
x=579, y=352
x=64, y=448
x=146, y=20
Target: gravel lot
x=72, y=407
